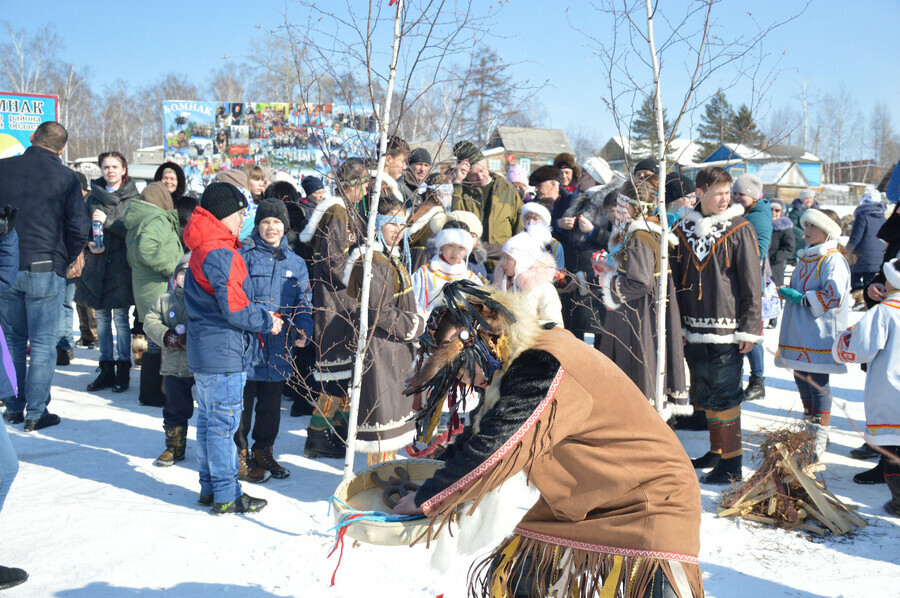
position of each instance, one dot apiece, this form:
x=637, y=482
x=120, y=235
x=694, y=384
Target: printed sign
x=300, y=139
x=20, y=115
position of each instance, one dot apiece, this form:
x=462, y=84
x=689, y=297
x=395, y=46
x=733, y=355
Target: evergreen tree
x=715, y=125
x=744, y=128
x=644, y=137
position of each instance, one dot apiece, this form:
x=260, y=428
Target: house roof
x=682, y=150
x=794, y=153
x=540, y=141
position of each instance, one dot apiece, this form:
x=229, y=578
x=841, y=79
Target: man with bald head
x=53, y=227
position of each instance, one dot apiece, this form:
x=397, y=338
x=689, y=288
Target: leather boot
x=726, y=472
x=756, y=388
x=151, y=381
x=323, y=443
x=249, y=471
x=264, y=459
x=872, y=476
x=176, y=438
x=107, y=377
x=123, y=376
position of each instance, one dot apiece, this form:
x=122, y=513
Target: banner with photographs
x=300, y=139
x=20, y=115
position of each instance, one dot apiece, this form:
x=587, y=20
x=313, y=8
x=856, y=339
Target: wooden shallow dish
x=361, y=494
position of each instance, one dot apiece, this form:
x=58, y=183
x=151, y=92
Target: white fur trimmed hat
x=821, y=221
x=533, y=207
x=456, y=236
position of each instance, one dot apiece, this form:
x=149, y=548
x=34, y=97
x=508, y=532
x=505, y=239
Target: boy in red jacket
x=224, y=324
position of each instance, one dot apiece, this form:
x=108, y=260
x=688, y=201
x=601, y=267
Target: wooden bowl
x=361, y=494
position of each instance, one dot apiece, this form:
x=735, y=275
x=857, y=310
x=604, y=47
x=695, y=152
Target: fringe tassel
x=541, y=444
x=569, y=573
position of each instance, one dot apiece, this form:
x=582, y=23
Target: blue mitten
x=792, y=295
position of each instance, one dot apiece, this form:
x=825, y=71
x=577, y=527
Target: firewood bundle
x=785, y=492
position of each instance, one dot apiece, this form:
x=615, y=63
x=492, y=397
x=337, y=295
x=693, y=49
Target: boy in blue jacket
x=280, y=282
x=223, y=326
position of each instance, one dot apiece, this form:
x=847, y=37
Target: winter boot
x=893, y=481
x=264, y=459
x=151, y=381
x=176, y=438
x=63, y=356
x=107, y=377
x=324, y=444
x=695, y=422
x=873, y=476
x=864, y=452
x=707, y=461
x=249, y=471
x=820, y=431
x=10, y=577
x=123, y=376
x=756, y=388
x=726, y=472
x=138, y=347
x=245, y=504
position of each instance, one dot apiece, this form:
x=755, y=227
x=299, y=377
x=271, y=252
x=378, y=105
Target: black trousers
x=715, y=375
x=267, y=397
x=179, y=405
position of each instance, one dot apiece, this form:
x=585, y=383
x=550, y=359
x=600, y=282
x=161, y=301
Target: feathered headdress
x=481, y=339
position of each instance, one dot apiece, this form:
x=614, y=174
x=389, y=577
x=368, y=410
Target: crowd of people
x=253, y=292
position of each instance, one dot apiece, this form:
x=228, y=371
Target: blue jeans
x=29, y=310
x=9, y=464
x=105, y=320
x=756, y=357
x=67, y=317
x=220, y=400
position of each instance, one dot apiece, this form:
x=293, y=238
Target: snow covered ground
x=90, y=516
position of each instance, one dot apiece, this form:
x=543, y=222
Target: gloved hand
x=7, y=219
x=792, y=295
x=173, y=340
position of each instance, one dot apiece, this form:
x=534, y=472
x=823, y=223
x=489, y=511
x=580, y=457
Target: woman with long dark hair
x=105, y=282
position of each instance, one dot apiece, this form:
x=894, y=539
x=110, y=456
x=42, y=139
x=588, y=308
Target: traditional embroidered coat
x=875, y=340
x=618, y=496
x=386, y=417
x=629, y=331
x=807, y=333
x=330, y=231
x=717, y=275
x=429, y=279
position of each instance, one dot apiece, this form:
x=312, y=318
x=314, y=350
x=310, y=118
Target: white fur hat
x=533, y=207
x=821, y=221
x=892, y=274
x=523, y=248
x=456, y=236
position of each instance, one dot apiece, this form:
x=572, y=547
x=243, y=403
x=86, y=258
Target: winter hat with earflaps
x=456, y=236
x=523, y=248
x=823, y=222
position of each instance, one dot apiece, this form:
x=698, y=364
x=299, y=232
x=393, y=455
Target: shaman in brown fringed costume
x=619, y=507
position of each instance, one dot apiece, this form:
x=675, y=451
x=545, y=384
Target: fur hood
x=704, y=225
x=543, y=270
x=590, y=203
x=312, y=224
x=783, y=223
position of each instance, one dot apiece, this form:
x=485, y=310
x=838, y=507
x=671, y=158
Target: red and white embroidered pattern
x=804, y=277
x=634, y=552
x=843, y=344
x=499, y=453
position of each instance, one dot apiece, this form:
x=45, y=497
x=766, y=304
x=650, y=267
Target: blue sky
x=831, y=43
